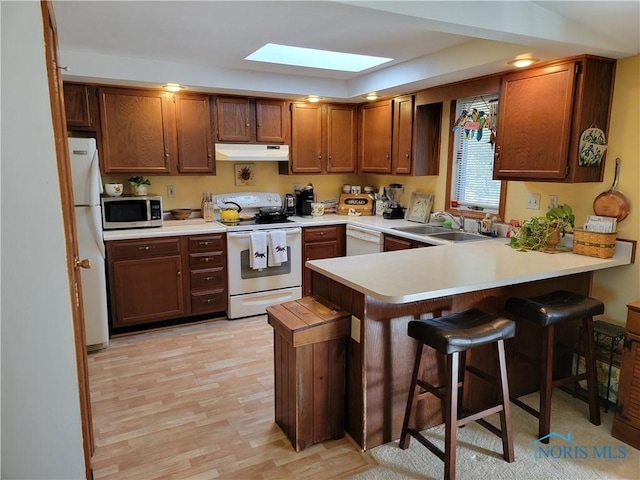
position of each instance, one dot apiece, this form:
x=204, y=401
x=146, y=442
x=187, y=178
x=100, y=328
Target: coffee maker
x=304, y=199
x=395, y=193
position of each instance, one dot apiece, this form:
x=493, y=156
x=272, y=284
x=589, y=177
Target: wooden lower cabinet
x=391, y=243
x=145, y=280
x=158, y=279
x=626, y=424
x=321, y=242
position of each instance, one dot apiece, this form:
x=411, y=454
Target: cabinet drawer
x=120, y=249
x=212, y=301
x=208, y=260
x=633, y=318
x=206, y=243
x=320, y=234
x=208, y=279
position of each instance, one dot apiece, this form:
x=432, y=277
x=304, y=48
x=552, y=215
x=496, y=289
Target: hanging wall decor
x=245, y=174
x=592, y=147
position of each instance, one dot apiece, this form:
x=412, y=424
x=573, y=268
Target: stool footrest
x=483, y=375
x=492, y=428
x=418, y=436
x=525, y=407
x=478, y=415
x=571, y=379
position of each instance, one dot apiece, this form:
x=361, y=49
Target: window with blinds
x=473, y=187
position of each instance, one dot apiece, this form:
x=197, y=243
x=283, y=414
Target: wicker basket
x=594, y=244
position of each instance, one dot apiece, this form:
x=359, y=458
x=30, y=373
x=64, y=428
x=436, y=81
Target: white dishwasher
x=361, y=241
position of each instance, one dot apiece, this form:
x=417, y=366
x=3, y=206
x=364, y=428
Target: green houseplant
x=543, y=232
x=139, y=184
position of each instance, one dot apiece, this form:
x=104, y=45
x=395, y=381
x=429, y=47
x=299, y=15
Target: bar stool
x=452, y=336
x=546, y=311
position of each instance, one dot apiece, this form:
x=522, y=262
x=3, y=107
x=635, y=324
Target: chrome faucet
x=457, y=222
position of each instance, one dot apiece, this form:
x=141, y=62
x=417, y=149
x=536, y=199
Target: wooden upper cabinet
x=323, y=138
x=136, y=131
x=247, y=120
x=306, y=138
x=77, y=100
x=402, y=140
x=375, y=137
x=340, y=138
x=193, y=127
x=233, y=119
x=271, y=124
x=543, y=112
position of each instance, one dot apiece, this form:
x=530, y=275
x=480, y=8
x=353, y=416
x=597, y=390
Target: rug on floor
x=577, y=450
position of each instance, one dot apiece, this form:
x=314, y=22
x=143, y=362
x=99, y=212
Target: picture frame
x=245, y=174
x=419, y=208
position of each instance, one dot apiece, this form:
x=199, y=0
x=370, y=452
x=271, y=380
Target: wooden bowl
x=181, y=213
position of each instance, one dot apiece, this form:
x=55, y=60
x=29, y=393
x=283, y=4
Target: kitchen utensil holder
x=207, y=211
x=594, y=244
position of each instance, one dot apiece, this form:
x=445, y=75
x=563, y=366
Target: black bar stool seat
x=547, y=311
x=452, y=336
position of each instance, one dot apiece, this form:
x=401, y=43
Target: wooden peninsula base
x=379, y=362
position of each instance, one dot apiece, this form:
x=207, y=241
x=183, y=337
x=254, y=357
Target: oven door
x=243, y=279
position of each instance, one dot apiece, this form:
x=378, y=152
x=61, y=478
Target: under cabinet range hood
x=239, y=152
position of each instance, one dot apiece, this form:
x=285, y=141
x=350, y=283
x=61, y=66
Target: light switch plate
x=533, y=201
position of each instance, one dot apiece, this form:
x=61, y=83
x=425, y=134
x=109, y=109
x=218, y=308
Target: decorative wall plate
x=592, y=147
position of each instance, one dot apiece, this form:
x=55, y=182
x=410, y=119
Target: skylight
x=312, y=58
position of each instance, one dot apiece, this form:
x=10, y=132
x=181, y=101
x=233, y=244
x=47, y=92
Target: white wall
x=41, y=426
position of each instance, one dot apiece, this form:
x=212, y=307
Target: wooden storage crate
x=309, y=343
x=594, y=244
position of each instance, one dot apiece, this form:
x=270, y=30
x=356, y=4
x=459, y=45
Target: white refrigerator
x=87, y=187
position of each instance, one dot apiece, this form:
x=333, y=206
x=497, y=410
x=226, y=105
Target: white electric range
x=252, y=290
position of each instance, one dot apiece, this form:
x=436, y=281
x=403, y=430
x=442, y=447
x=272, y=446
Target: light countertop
x=434, y=272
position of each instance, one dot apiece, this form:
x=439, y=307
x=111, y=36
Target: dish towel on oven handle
x=258, y=250
x=277, y=247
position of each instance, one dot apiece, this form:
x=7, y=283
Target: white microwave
x=131, y=211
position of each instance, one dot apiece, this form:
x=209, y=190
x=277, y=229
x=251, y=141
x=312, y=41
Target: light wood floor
x=196, y=402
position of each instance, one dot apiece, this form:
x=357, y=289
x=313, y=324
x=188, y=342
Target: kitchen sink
x=458, y=236
x=423, y=229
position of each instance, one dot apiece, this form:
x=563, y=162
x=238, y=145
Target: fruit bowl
x=181, y=213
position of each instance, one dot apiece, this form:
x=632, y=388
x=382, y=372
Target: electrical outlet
x=533, y=201
x=171, y=191
x=553, y=202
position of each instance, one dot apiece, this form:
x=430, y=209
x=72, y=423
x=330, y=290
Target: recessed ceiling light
x=312, y=58
x=523, y=62
x=372, y=96
x=313, y=98
x=173, y=87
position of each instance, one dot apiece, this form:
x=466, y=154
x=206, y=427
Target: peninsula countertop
x=426, y=273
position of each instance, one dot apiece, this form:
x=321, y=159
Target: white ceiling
x=202, y=44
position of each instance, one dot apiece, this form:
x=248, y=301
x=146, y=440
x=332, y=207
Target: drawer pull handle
x=179, y=273
x=208, y=279
x=146, y=248
x=205, y=243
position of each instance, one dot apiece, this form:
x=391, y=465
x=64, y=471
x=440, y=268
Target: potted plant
x=139, y=185
x=543, y=232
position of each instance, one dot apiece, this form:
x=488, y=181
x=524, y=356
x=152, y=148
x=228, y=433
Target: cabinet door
x=375, y=137
x=534, y=123
x=317, y=251
x=193, y=124
x=233, y=119
x=395, y=243
x=146, y=290
x=271, y=125
x=340, y=138
x=76, y=105
x=136, y=131
x=402, y=141
x=306, y=138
